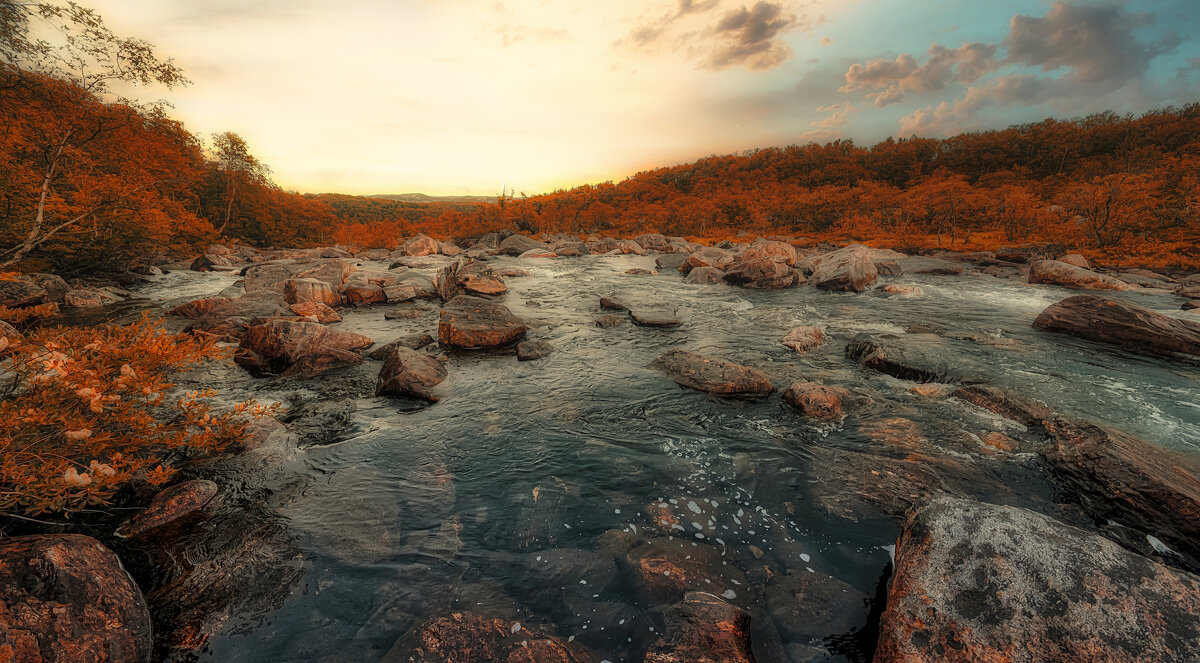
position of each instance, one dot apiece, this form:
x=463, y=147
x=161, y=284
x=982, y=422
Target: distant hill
x=423, y=198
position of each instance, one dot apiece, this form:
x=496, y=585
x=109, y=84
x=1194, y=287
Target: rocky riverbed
x=653, y=451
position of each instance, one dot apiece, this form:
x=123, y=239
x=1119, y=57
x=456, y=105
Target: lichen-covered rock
x=472, y=323
x=979, y=583
x=1121, y=323
x=410, y=373
x=169, y=508
x=65, y=597
x=1053, y=272
x=715, y=376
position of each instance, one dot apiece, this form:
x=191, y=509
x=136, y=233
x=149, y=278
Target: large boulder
x=56, y=287
x=766, y=273
x=1121, y=323
x=468, y=322
x=65, y=597
x=978, y=582
x=296, y=291
x=703, y=628
x=1053, y=272
x=300, y=348
x=421, y=245
x=670, y=261
x=515, y=245
x=654, y=242
x=316, y=310
x=916, y=357
x=715, y=376
x=769, y=250
x=410, y=373
x=709, y=256
x=848, y=269
x=1075, y=259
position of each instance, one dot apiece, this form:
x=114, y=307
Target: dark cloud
x=747, y=36
x=887, y=80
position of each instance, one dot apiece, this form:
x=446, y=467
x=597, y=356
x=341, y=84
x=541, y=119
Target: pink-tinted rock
x=848, y=269
x=1053, y=272
x=715, y=376
x=410, y=373
x=468, y=322
x=297, y=291
x=318, y=310
x=815, y=400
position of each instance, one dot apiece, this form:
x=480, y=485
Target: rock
x=1057, y=273
x=467, y=637
x=629, y=247
x=1122, y=324
x=363, y=294
x=763, y=273
x=670, y=261
x=421, y=245
x=804, y=338
x=334, y=272
x=999, y=441
x=816, y=400
x=410, y=373
x=653, y=242
x=472, y=323
x=1076, y=260
x=297, y=291
x=515, y=245
x=405, y=314
x=901, y=290
x=638, y=271
x=410, y=341
x=705, y=275
x=171, y=507
x=1007, y=404
x=849, y=269
x=300, y=348
x=714, y=376
x=769, y=250
x=8, y=331
x=1191, y=305
x=22, y=291
x=318, y=310
x=654, y=315
x=813, y=606
x=538, y=253
x=923, y=265
x=709, y=256
x=904, y=359
x=613, y=303
x=399, y=292
x=484, y=286
x=665, y=569
x=210, y=262
x=529, y=350
x=1118, y=477
x=55, y=286
x=979, y=582
x=609, y=321
x=65, y=597
x=89, y=298
x=703, y=629
x=1188, y=290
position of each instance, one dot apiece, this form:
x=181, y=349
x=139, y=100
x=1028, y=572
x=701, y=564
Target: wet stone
x=715, y=376
x=530, y=350
x=170, y=508
x=654, y=316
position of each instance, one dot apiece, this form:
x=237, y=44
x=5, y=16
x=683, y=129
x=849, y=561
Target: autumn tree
x=1111, y=207
x=239, y=170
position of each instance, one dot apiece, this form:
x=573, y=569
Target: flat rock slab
x=1122, y=324
x=654, y=316
x=1053, y=272
x=910, y=358
x=714, y=376
x=169, y=508
x=472, y=323
x=65, y=597
x=977, y=582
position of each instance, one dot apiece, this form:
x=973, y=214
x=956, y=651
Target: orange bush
x=87, y=410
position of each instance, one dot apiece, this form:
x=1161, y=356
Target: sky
x=452, y=97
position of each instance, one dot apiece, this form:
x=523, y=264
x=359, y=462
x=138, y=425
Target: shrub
x=84, y=411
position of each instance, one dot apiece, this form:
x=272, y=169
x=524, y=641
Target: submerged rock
x=609, y=321
x=410, y=373
x=614, y=303
x=1005, y=403
x=670, y=261
x=1053, y=272
x=802, y=339
x=169, y=508
x=65, y=597
x=472, y=323
x=654, y=315
x=715, y=376
x=1121, y=323
x=700, y=629
x=1121, y=478
x=664, y=569
x=979, y=582
x=529, y=350
x=849, y=269
x=813, y=606
x=816, y=400
x=467, y=637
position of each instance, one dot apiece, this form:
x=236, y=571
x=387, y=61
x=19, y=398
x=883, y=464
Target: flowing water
x=510, y=496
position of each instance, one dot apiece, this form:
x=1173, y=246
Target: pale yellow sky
x=453, y=96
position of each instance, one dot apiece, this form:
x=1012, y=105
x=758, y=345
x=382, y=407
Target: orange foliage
x=90, y=409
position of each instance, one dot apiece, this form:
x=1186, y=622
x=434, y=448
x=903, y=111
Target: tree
x=238, y=167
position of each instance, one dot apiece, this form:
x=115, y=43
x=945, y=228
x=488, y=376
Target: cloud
x=512, y=34
x=1088, y=50
x=820, y=136
x=744, y=36
x=839, y=115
